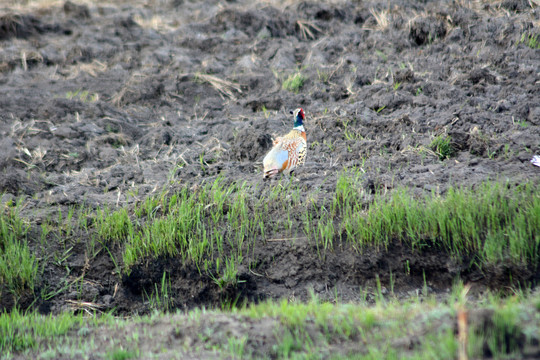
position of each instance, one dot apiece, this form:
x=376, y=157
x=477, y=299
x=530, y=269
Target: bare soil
x=107, y=103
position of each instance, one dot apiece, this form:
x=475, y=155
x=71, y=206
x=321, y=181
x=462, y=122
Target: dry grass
x=30, y=56
x=419, y=150
x=25, y=6
x=224, y=87
x=35, y=156
x=93, y=69
x=89, y=308
x=118, y=99
x=382, y=19
x=307, y=29
x=156, y=23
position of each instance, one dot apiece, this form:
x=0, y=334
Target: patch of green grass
x=18, y=264
x=228, y=275
x=348, y=131
x=294, y=82
x=381, y=55
x=412, y=329
x=216, y=226
x=160, y=298
x=266, y=112
x=523, y=123
x=531, y=40
x=391, y=320
x=442, y=145
x=122, y=354
x=112, y=225
x=493, y=221
x=82, y=95
x=20, y=331
x=324, y=75
x=197, y=226
x=237, y=347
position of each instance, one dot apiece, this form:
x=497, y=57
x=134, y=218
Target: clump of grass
x=381, y=18
x=82, y=95
x=113, y=225
x=160, y=298
x=195, y=226
x=531, y=40
x=308, y=29
x=122, y=354
x=324, y=75
x=392, y=320
x=20, y=331
x=348, y=131
x=493, y=221
x=18, y=265
x=442, y=145
x=294, y=82
x=228, y=275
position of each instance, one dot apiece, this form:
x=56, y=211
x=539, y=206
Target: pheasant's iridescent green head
x=299, y=117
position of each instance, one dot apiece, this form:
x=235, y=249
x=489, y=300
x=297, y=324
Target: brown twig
x=224, y=87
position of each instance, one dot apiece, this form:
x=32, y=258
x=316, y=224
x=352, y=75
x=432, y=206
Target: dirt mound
x=25, y=26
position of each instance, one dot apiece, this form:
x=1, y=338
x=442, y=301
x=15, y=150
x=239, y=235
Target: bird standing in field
x=289, y=150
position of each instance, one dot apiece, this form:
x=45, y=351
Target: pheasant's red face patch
x=299, y=112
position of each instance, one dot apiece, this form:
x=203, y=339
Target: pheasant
x=289, y=150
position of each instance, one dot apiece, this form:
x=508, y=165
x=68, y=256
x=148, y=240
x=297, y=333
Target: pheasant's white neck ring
x=300, y=128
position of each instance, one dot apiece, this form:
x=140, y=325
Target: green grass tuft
x=20, y=331
x=531, y=40
x=492, y=221
x=121, y=354
x=442, y=145
x=18, y=265
x=160, y=298
x=294, y=82
x=113, y=225
x=82, y=95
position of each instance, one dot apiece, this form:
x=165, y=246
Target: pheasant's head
x=299, y=117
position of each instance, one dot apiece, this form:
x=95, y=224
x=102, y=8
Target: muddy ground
x=107, y=103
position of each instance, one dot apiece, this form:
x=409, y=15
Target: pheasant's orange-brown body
x=289, y=150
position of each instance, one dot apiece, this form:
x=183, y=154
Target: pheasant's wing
x=288, y=151
x=296, y=148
